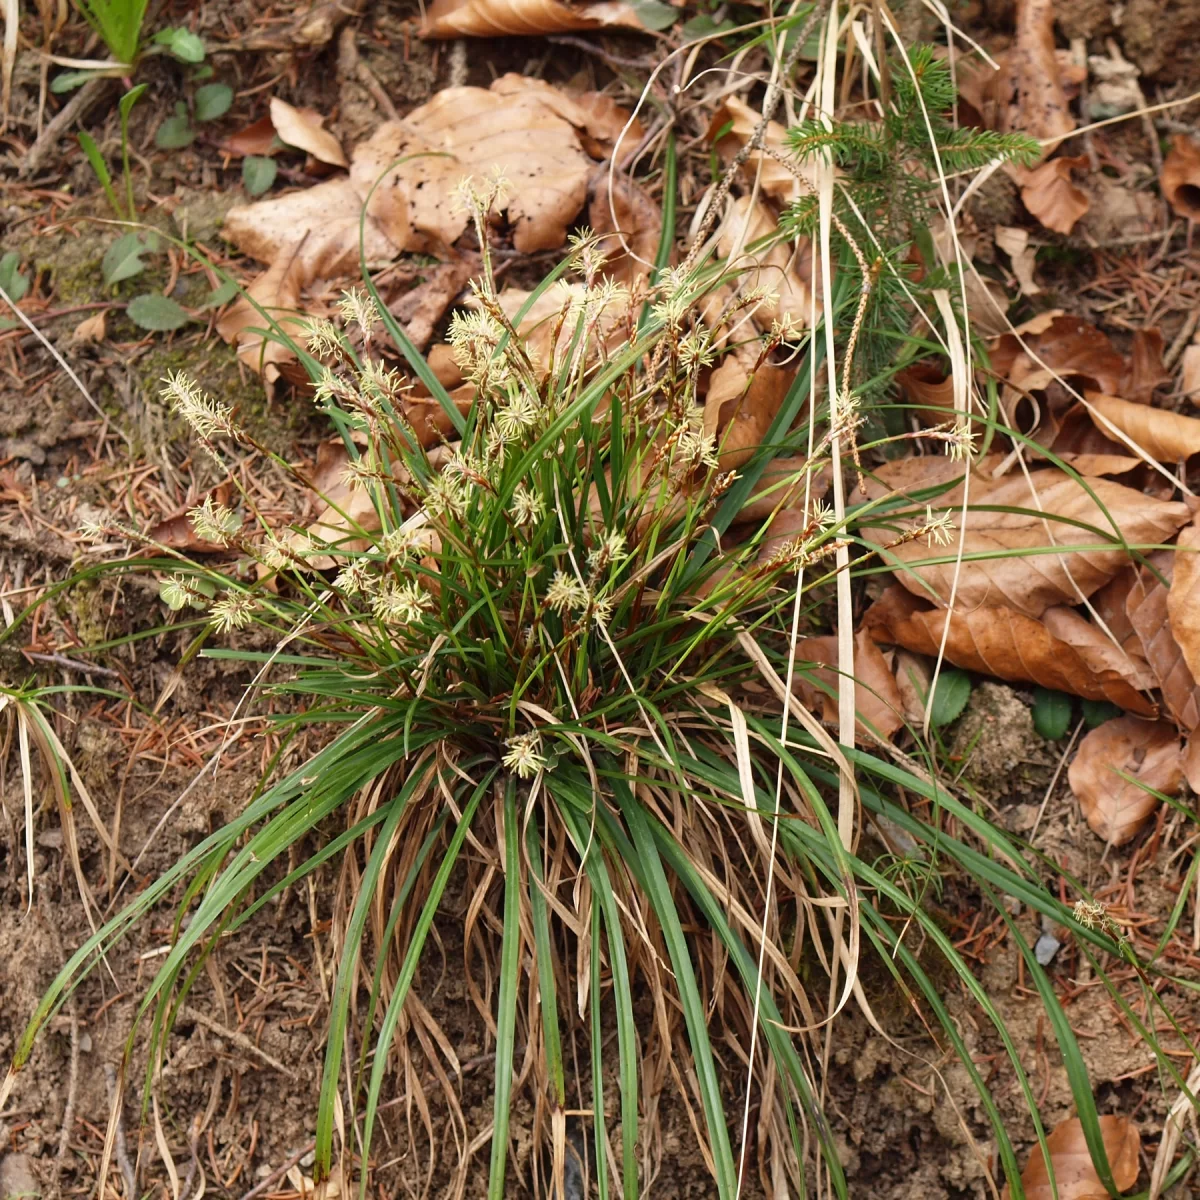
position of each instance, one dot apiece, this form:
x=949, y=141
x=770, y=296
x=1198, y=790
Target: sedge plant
x=551, y=628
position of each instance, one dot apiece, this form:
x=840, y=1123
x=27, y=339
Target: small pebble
x=1046, y=948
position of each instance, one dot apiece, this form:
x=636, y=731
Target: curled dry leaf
x=741, y=403
x=1074, y=1174
x=1050, y=552
x=914, y=677
x=91, y=329
x=928, y=386
x=1180, y=178
x=750, y=243
x=1050, y=194
x=1014, y=241
x=524, y=18
x=1162, y=434
x=629, y=224
x=602, y=123
x=1003, y=643
x=1148, y=612
x=1149, y=751
x=1100, y=651
x=257, y=138
x=1183, y=597
x=303, y=128
x=877, y=699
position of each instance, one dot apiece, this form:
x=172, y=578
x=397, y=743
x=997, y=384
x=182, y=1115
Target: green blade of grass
x=506, y=1004
x=658, y=892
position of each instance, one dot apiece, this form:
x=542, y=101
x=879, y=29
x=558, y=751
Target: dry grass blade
x=1149, y=751
x=1075, y=1177
x=998, y=568
x=1003, y=643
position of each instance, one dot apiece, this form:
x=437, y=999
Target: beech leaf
x=1074, y=1174
x=1068, y=526
x=1148, y=751
x=1162, y=434
x=302, y=128
x=1148, y=611
x=877, y=699
x=1183, y=598
x=999, y=642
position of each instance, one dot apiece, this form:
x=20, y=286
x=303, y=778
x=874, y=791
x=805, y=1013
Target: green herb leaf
x=654, y=15
x=157, y=313
x=182, y=43
x=68, y=81
x=122, y=260
x=222, y=294
x=950, y=696
x=1051, y=713
x=11, y=280
x=175, y=133
x=258, y=173
x=1096, y=712
x=213, y=101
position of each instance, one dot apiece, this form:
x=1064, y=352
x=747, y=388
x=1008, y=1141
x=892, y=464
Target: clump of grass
x=539, y=641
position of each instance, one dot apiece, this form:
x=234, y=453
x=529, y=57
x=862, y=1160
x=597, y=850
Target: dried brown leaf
x=324, y=220
x=926, y=385
x=420, y=309
x=1100, y=652
x=1183, y=597
x=1014, y=241
x=740, y=406
x=1146, y=606
x=1145, y=371
x=732, y=126
x=1042, y=108
x=1074, y=1174
x=91, y=329
x=1115, y=808
x=278, y=291
x=1065, y=344
x=1164, y=435
x=914, y=677
x=782, y=269
x=1050, y=195
x=469, y=131
x=303, y=128
x=877, y=699
x=1059, y=512
x=1180, y=178
x=1000, y=642
x=629, y=225
x=523, y=18
x=257, y=138
x=559, y=309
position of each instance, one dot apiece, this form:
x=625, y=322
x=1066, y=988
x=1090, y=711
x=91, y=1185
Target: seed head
x=209, y=418
x=524, y=757
x=566, y=592
x=233, y=611
x=214, y=522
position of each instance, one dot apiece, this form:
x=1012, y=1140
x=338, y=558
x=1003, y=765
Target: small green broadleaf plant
x=119, y=26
